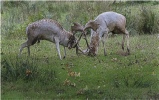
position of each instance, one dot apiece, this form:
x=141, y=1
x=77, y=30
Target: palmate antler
x=91, y=24
x=74, y=29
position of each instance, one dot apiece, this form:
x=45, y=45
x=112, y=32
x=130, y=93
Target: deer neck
x=65, y=38
x=94, y=44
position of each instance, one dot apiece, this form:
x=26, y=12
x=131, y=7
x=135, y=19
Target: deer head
x=73, y=42
x=93, y=47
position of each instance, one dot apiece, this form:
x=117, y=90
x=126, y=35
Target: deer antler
x=77, y=27
x=74, y=29
x=91, y=24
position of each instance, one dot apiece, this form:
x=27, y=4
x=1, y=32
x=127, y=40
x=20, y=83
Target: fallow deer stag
x=102, y=25
x=50, y=30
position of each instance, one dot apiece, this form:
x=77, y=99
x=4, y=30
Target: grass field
x=44, y=76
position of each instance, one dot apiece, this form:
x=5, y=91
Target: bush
x=149, y=21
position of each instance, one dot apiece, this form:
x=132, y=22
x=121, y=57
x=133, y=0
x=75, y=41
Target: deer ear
x=92, y=24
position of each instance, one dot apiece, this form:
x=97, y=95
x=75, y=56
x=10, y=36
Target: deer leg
x=104, y=39
x=127, y=39
x=22, y=46
x=58, y=47
x=123, y=41
x=29, y=50
x=64, y=53
x=25, y=44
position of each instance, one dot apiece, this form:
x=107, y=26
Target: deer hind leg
x=21, y=47
x=104, y=39
x=127, y=39
x=126, y=36
x=123, y=41
x=29, y=50
x=103, y=42
x=25, y=44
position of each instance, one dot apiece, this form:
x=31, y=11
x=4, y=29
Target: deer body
x=102, y=25
x=50, y=30
x=110, y=22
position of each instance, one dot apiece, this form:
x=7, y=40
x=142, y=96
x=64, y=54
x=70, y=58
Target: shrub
x=148, y=21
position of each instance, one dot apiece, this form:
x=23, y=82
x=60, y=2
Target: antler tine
x=79, y=49
x=86, y=41
x=77, y=27
x=81, y=28
x=91, y=24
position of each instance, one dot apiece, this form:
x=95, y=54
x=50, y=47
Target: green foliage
x=17, y=15
x=149, y=21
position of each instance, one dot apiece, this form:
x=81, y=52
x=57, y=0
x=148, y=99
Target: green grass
x=102, y=77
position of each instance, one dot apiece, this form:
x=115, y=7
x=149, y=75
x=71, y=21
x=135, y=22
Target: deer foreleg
x=104, y=39
x=58, y=47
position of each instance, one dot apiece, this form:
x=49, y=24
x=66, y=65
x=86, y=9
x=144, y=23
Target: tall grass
x=27, y=70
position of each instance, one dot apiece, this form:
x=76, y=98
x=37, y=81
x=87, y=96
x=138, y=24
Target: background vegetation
x=44, y=76
x=142, y=17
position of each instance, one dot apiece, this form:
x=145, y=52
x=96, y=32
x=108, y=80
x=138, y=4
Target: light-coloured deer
x=102, y=25
x=50, y=30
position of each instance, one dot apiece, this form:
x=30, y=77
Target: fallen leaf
x=81, y=91
x=67, y=82
x=74, y=74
